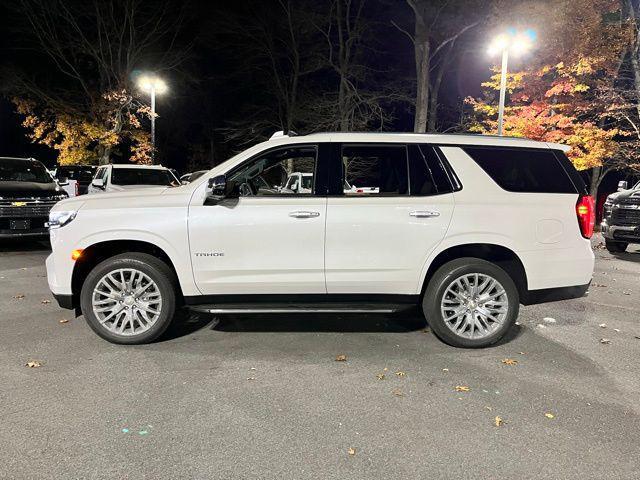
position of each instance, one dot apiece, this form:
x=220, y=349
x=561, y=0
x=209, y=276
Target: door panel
x=380, y=244
x=257, y=245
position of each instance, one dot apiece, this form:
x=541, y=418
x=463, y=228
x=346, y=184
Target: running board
x=308, y=308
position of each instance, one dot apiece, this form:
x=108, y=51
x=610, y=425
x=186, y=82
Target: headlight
x=60, y=219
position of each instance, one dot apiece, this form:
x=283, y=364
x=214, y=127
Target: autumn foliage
x=115, y=123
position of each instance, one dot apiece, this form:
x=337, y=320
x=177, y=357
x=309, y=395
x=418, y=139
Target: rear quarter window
x=523, y=169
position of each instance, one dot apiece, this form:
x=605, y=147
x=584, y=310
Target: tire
x=470, y=335
x=615, y=247
x=152, y=314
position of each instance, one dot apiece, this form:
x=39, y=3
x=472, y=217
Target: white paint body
x=355, y=244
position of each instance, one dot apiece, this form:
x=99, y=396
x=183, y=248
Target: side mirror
x=98, y=182
x=63, y=182
x=218, y=188
x=622, y=185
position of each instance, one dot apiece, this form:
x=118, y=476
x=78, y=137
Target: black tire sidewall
x=442, y=279
x=151, y=266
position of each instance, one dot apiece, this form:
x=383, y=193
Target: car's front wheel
x=615, y=247
x=129, y=298
x=470, y=302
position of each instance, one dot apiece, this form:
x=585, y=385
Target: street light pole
x=503, y=88
x=517, y=44
x=152, y=85
x=153, y=124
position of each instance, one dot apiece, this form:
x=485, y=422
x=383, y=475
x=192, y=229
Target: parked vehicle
x=299, y=182
x=81, y=174
x=27, y=193
x=468, y=227
x=117, y=178
x=190, y=177
x=621, y=223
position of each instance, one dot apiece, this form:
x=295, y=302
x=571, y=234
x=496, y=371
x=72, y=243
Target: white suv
x=116, y=178
x=467, y=227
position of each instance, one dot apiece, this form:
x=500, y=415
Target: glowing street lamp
x=516, y=43
x=152, y=85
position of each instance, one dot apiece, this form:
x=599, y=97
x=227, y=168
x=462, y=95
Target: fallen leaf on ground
x=351, y=451
x=341, y=358
x=498, y=422
x=541, y=326
x=18, y=296
x=251, y=378
x=636, y=337
x=603, y=325
x=401, y=374
x=549, y=320
x=488, y=408
x=380, y=376
x=549, y=415
x=445, y=369
x=522, y=353
x=509, y=361
x=397, y=392
x=462, y=388
x=33, y=364
x=605, y=341
x=616, y=329
x=63, y=320
x=45, y=302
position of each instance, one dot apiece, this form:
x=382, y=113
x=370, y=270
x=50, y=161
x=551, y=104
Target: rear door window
x=427, y=172
x=523, y=169
x=374, y=170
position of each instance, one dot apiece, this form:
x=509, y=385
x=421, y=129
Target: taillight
x=586, y=212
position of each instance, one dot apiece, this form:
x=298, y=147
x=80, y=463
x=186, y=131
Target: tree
x=579, y=101
x=96, y=46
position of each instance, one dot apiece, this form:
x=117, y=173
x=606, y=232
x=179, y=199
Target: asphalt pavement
x=263, y=397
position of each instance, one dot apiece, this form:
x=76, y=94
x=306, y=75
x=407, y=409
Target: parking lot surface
x=263, y=397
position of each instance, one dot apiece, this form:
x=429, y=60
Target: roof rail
x=280, y=133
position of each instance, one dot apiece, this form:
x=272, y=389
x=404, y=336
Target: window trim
x=446, y=167
x=316, y=174
x=337, y=163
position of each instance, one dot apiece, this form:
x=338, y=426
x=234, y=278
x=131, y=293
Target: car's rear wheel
x=470, y=302
x=615, y=247
x=129, y=298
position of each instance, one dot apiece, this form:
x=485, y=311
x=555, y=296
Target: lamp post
x=514, y=43
x=152, y=85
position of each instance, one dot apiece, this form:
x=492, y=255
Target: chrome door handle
x=424, y=213
x=304, y=214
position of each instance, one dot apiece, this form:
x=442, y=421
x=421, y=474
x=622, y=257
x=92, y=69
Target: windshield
x=14, y=170
x=84, y=174
x=142, y=176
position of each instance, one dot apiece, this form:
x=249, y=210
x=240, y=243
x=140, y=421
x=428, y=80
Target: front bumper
x=621, y=233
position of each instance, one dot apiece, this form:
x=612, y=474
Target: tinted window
x=427, y=174
x=289, y=171
x=523, y=169
x=142, y=176
x=83, y=174
x=374, y=170
x=15, y=170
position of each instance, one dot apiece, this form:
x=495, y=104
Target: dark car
x=83, y=174
x=27, y=193
x=621, y=223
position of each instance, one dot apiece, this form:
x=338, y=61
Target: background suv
x=467, y=227
x=116, y=178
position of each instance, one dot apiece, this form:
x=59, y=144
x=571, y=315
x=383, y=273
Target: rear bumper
x=533, y=297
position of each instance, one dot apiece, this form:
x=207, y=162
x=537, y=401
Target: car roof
x=453, y=139
x=155, y=167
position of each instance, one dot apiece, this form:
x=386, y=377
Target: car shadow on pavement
x=629, y=256
x=186, y=323
x=24, y=245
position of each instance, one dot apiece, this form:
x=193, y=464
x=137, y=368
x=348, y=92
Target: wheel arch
x=501, y=255
x=97, y=252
